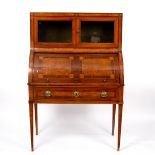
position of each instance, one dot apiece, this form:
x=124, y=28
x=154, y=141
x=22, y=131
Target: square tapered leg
x=36, y=117
x=120, y=109
x=113, y=117
x=31, y=124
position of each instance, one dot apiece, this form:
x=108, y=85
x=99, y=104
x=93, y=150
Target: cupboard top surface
x=73, y=14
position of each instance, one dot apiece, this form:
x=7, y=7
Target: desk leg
x=31, y=124
x=120, y=109
x=36, y=117
x=113, y=117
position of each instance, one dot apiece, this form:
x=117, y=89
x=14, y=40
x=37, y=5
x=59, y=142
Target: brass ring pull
x=48, y=93
x=76, y=94
x=104, y=94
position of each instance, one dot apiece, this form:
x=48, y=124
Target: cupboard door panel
x=97, y=32
x=54, y=31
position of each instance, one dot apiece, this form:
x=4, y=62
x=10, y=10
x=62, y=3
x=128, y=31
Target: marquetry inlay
x=40, y=76
x=84, y=67
x=53, y=66
x=71, y=76
x=81, y=58
x=97, y=67
x=82, y=76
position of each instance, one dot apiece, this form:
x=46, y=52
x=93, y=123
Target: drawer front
x=87, y=68
x=76, y=94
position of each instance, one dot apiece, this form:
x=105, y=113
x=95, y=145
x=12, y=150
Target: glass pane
x=55, y=31
x=97, y=32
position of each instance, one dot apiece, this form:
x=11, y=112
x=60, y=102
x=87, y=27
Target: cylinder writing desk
x=76, y=58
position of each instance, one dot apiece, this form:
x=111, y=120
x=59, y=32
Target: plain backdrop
x=78, y=129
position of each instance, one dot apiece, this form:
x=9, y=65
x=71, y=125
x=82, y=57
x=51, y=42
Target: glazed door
x=97, y=32
x=54, y=31
x=76, y=68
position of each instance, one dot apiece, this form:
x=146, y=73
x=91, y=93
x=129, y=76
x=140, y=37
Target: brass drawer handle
x=77, y=31
x=48, y=93
x=104, y=94
x=76, y=94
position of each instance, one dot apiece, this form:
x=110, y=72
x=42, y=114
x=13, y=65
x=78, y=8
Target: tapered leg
x=113, y=117
x=36, y=117
x=120, y=109
x=31, y=124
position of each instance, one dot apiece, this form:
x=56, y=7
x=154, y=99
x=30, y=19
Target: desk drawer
x=76, y=93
